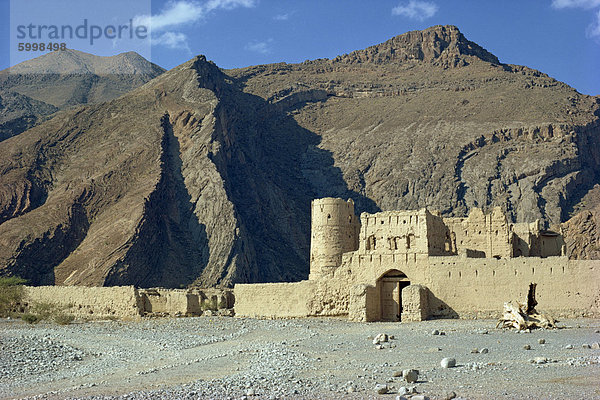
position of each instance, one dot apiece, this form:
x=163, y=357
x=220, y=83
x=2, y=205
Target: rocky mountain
x=204, y=176
x=37, y=88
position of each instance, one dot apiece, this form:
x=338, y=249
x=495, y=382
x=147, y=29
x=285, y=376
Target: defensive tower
x=334, y=231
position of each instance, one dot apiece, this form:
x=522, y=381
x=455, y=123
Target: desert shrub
x=30, y=318
x=44, y=311
x=63, y=319
x=11, y=294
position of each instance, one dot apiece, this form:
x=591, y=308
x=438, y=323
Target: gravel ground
x=221, y=357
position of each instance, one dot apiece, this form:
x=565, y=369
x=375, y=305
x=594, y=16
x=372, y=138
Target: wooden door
x=390, y=296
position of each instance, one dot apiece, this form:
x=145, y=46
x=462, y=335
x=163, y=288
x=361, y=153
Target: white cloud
x=416, y=9
x=282, y=17
x=575, y=3
x=172, y=40
x=179, y=13
x=593, y=30
x=259, y=47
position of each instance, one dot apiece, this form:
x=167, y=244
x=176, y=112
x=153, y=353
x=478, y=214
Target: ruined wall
x=334, y=231
x=88, y=302
x=482, y=235
x=166, y=301
x=440, y=240
x=273, y=300
x=524, y=238
x=466, y=287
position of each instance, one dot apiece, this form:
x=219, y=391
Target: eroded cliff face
x=205, y=177
x=185, y=191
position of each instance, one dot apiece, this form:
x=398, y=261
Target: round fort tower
x=334, y=231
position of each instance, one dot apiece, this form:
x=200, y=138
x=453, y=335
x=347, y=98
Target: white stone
x=448, y=362
x=381, y=338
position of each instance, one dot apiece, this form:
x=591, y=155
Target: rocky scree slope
x=205, y=177
x=33, y=90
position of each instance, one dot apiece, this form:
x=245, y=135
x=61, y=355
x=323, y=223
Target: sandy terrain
x=221, y=357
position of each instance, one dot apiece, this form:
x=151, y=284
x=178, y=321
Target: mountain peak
x=442, y=45
x=78, y=62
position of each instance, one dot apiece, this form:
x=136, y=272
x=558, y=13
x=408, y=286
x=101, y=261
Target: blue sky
x=558, y=37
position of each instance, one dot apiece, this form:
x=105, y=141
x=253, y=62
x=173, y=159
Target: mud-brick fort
x=413, y=265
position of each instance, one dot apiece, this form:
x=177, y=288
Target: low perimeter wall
x=125, y=302
x=88, y=302
x=273, y=300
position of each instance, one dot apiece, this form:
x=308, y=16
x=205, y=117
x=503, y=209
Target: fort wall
x=274, y=300
x=125, y=302
x=478, y=287
x=446, y=267
x=88, y=302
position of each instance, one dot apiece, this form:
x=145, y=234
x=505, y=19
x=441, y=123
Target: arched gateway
x=389, y=287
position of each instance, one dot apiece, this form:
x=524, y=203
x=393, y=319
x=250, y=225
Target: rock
x=250, y=392
x=484, y=351
x=596, y=346
x=378, y=347
x=541, y=341
x=540, y=360
x=569, y=346
x=401, y=398
x=207, y=313
x=403, y=390
x=397, y=374
x=586, y=346
x=474, y=351
x=419, y=397
x=434, y=349
x=392, y=337
x=527, y=347
x=442, y=333
x=435, y=332
x=450, y=396
x=350, y=389
x=381, y=338
x=448, y=362
x=410, y=375
x=381, y=388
